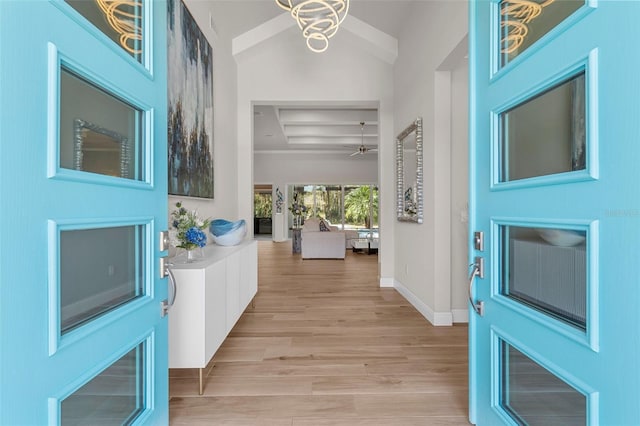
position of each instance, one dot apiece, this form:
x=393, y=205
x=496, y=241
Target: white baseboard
x=387, y=282
x=435, y=318
x=460, y=315
x=442, y=319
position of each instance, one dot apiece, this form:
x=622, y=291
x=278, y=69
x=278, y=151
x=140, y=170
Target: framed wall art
x=190, y=105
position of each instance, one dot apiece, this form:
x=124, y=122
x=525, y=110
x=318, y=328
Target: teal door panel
x=83, y=201
x=554, y=188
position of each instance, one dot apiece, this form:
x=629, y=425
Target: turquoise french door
x=555, y=192
x=83, y=189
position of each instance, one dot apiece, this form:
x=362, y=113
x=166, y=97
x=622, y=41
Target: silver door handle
x=477, y=270
x=166, y=305
x=174, y=287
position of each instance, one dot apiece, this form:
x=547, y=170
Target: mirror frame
x=79, y=126
x=401, y=207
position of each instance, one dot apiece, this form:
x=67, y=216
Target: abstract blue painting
x=190, y=97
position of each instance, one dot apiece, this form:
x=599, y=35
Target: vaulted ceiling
x=387, y=16
x=308, y=127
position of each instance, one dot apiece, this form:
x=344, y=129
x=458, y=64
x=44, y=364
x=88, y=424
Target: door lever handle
x=477, y=270
x=165, y=305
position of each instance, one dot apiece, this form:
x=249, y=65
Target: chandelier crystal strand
x=318, y=19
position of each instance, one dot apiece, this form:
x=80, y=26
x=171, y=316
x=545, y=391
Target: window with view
x=353, y=207
x=262, y=209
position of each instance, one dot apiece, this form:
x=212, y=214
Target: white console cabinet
x=211, y=295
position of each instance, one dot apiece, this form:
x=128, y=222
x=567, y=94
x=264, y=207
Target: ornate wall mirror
x=409, y=173
x=100, y=150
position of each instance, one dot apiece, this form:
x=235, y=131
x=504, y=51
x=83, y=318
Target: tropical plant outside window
x=345, y=206
x=333, y=210
x=328, y=203
x=360, y=208
x=262, y=204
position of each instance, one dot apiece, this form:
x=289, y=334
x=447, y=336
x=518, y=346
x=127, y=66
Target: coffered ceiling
x=313, y=128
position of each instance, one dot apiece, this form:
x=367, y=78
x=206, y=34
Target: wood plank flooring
x=324, y=346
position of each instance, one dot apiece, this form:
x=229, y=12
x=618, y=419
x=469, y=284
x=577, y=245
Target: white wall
x=315, y=168
x=423, y=252
x=224, y=204
x=459, y=189
x=289, y=72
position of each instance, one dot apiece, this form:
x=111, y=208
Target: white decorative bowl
x=561, y=237
x=229, y=233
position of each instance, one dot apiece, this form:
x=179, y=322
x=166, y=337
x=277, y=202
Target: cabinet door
x=186, y=320
x=249, y=274
x=233, y=288
x=215, y=298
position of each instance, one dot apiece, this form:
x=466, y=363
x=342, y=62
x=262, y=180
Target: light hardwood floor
x=325, y=345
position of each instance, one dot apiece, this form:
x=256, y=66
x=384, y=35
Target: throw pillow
x=324, y=227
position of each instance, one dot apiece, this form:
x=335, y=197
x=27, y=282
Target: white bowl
x=561, y=237
x=231, y=238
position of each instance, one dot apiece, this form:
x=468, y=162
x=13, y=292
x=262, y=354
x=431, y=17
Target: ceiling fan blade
x=373, y=150
x=355, y=153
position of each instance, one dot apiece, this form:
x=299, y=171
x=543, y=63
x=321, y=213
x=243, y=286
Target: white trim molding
x=460, y=315
x=261, y=33
x=387, y=282
x=435, y=318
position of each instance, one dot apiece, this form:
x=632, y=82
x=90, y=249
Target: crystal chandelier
x=318, y=19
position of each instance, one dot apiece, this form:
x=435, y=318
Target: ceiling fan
x=363, y=149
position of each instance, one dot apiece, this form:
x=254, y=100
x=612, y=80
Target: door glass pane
x=100, y=269
x=121, y=21
x=546, y=269
x=114, y=397
x=99, y=133
x=546, y=134
x=534, y=396
x=522, y=23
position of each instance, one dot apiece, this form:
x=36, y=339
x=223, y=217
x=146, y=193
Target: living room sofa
x=322, y=241
x=349, y=234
